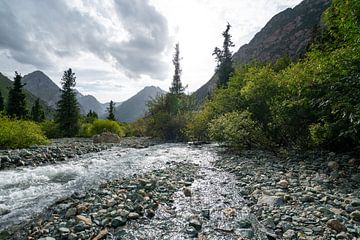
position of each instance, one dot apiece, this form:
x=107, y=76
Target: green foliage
x=37, y=113
x=110, y=111
x=101, y=125
x=136, y=129
x=1, y=102
x=51, y=129
x=67, y=112
x=167, y=116
x=236, y=129
x=16, y=105
x=19, y=133
x=90, y=117
x=224, y=58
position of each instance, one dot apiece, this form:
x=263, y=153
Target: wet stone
x=118, y=221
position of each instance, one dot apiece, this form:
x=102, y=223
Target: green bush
x=19, y=133
x=236, y=129
x=50, y=129
x=101, y=125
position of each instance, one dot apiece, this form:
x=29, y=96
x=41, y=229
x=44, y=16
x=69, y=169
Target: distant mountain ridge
x=136, y=106
x=6, y=84
x=287, y=33
x=40, y=85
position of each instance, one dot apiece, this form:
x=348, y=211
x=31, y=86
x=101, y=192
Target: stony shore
x=61, y=150
x=313, y=195
x=301, y=196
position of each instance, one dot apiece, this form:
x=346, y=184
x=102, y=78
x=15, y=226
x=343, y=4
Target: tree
x=16, y=105
x=176, y=86
x=111, y=110
x=91, y=116
x=67, y=112
x=1, y=102
x=223, y=57
x=37, y=113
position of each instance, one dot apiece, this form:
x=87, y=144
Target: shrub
x=236, y=129
x=50, y=129
x=103, y=125
x=19, y=133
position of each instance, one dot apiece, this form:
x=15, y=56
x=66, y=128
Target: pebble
x=336, y=225
x=187, y=192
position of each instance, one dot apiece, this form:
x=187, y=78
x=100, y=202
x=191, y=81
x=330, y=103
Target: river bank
x=60, y=150
x=175, y=191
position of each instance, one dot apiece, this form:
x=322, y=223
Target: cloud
x=42, y=32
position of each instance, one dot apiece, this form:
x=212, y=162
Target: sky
x=117, y=47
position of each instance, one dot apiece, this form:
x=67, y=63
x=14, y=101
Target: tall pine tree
x=224, y=58
x=176, y=86
x=67, y=112
x=111, y=110
x=1, y=102
x=16, y=105
x=37, y=113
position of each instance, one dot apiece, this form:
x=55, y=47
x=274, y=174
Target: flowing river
x=27, y=191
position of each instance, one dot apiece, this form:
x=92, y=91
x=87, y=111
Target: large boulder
x=106, y=137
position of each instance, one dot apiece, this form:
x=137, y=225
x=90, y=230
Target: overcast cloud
x=38, y=32
x=117, y=47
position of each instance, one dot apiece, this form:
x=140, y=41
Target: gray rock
x=47, y=238
x=271, y=200
x=70, y=212
x=4, y=211
x=106, y=137
x=336, y=225
x=133, y=216
x=64, y=230
x=289, y=235
x=195, y=222
x=355, y=215
x=118, y=221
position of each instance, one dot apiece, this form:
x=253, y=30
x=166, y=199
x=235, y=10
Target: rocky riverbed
x=175, y=191
x=61, y=150
x=300, y=196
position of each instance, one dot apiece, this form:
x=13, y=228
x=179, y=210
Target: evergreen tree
x=224, y=58
x=16, y=105
x=37, y=113
x=176, y=86
x=67, y=112
x=91, y=116
x=1, y=102
x=111, y=110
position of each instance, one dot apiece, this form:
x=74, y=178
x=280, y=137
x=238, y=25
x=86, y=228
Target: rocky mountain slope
x=287, y=33
x=40, y=85
x=135, y=107
x=6, y=84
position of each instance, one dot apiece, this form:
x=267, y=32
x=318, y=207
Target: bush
x=101, y=125
x=20, y=133
x=236, y=129
x=50, y=129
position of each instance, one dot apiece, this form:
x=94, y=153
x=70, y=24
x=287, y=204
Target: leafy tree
x=67, y=112
x=37, y=113
x=176, y=86
x=224, y=58
x=16, y=105
x=1, y=102
x=111, y=110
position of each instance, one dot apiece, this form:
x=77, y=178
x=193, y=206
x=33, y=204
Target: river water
x=27, y=191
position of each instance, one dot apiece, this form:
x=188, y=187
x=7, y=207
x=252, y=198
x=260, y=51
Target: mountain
x=43, y=87
x=135, y=107
x=89, y=102
x=40, y=85
x=6, y=84
x=287, y=33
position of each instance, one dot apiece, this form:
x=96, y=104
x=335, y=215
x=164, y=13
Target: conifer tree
x=224, y=58
x=111, y=110
x=1, y=102
x=91, y=116
x=176, y=86
x=37, y=113
x=67, y=112
x=16, y=105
